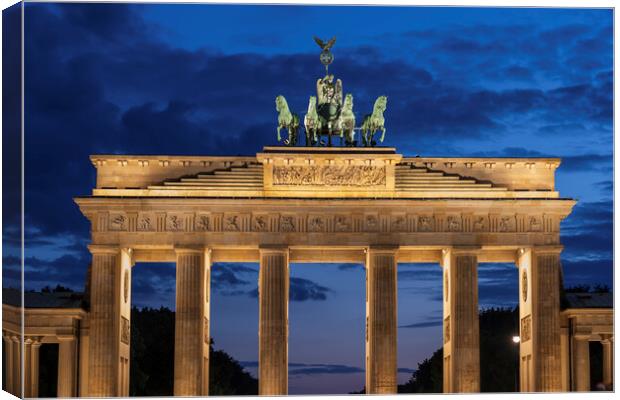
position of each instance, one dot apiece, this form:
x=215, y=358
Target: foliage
x=152, y=359
x=57, y=289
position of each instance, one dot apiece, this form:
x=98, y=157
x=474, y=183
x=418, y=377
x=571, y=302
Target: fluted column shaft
x=110, y=315
x=191, y=340
x=581, y=363
x=539, y=312
x=608, y=360
x=66, y=367
x=10, y=367
x=461, y=326
x=273, y=292
x=31, y=366
x=381, y=321
x=17, y=365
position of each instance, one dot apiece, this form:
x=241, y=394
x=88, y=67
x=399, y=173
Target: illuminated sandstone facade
x=370, y=206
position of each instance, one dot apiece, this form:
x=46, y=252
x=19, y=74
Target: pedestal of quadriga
x=381, y=321
x=273, y=292
x=461, y=356
x=110, y=316
x=539, y=313
x=191, y=340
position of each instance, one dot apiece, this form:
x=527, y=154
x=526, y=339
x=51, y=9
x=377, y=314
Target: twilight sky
x=201, y=79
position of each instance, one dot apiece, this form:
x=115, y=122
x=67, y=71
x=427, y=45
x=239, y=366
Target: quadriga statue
x=374, y=122
x=287, y=120
x=312, y=123
x=346, y=122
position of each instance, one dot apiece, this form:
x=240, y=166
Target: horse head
x=348, y=102
x=312, y=105
x=381, y=103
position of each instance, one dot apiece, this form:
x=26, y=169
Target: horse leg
x=382, y=134
x=279, y=137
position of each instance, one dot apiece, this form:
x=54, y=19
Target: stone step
x=454, y=185
x=429, y=177
x=232, y=175
x=236, y=190
x=221, y=180
x=450, y=188
x=215, y=184
x=242, y=172
x=440, y=181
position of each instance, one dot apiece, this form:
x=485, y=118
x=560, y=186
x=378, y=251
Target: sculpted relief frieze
x=329, y=175
x=264, y=221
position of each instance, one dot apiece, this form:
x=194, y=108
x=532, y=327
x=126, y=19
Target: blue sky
x=201, y=79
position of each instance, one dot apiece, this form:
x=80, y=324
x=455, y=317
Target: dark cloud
x=424, y=324
x=301, y=289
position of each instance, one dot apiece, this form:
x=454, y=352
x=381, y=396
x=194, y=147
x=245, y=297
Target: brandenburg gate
x=285, y=205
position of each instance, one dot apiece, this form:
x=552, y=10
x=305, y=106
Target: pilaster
x=461, y=337
x=191, y=341
x=381, y=320
x=273, y=293
x=67, y=384
x=608, y=361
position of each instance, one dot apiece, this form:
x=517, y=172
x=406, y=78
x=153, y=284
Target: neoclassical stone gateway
x=295, y=204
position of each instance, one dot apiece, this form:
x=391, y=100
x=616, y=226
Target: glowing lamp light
x=516, y=339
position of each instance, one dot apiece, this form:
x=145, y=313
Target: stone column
x=461, y=331
x=17, y=365
x=66, y=366
x=608, y=360
x=581, y=362
x=10, y=367
x=31, y=366
x=191, y=340
x=381, y=320
x=539, y=312
x=110, y=306
x=273, y=291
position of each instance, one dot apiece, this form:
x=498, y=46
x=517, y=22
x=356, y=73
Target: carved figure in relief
x=342, y=223
x=479, y=224
x=125, y=334
x=287, y=120
x=231, y=223
x=371, y=222
x=315, y=224
x=174, y=223
x=144, y=224
x=287, y=224
x=399, y=224
x=260, y=223
x=329, y=175
x=118, y=222
x=454, y=224
x=524, y=285
x=446, y=331
x=202, y=223
x=535, y=225
x=504, y=224
x=425, y=224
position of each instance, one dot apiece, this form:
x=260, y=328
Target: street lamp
x=516, y=340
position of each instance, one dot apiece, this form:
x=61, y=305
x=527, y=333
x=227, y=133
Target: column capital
x=103, y=249
x=552, y=249
x=189, y=250
x=462, y=250
x=33, y=340
x=65, y=338
x=387, y=249
x=263, y=249
x=607, y=338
